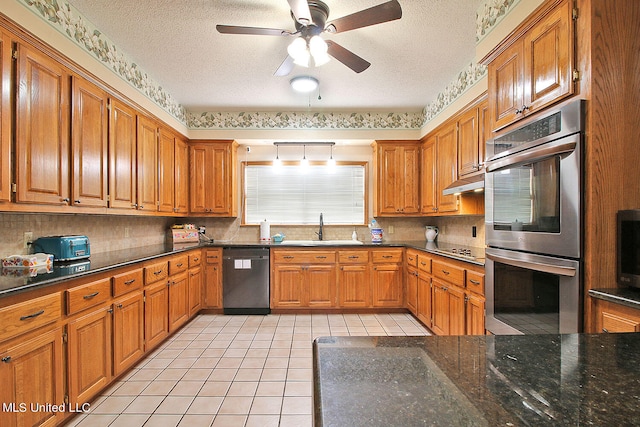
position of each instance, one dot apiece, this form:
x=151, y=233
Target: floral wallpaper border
x=65, y=18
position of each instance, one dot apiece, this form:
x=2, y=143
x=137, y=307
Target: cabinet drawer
x=178, y=264
x=384, y=256
x=127, y=282
x=448, y=272
x=475, y=282
x=214, y=256
x=195, y=259
x=85, y=296
x=20, y=318
x=353, y=257
x=310, y=257
x=412, y=258
x=156, y=272
x=424, y=263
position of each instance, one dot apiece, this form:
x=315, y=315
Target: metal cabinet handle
x=605, y=330
x=32, y=315
x=66, y=200
x=475, y=282
x=354, y=256
x=446, y=272
x=387, y=256
x=109, y=310
x=288, y=257
x=134, y=205
x=445, y=288
x=179, y=265
x=196, y=259
x=320, y=257
x=91, y=295
x=77, y=202
x=157, y=272
x=119, y=306
x=128, y=282
x=6, y=359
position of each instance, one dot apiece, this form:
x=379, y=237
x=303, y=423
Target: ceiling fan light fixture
x=304, y=84
x=297, y=47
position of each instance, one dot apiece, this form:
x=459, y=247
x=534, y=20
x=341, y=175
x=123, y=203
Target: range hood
x=463, y=185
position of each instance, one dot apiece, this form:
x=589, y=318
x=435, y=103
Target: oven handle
x=536, y=266
x=532, y=154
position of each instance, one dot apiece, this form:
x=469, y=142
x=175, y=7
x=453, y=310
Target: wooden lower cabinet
x=424, y=299
x=89, y=355
x=448, y=309
x=195, y=291
x=213, y=278
x=304, y=286
x=354, y=288
x=178, y=300
x=474, y=314
x=321, y=281
x=156, y=309
x=387, y=285
x=411, y=296
x=612, y=317
x=32, y=372
x=128, y=331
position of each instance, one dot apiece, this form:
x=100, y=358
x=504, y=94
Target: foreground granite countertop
x=574, y=379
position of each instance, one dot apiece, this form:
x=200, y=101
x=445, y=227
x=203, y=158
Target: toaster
x=64, y=248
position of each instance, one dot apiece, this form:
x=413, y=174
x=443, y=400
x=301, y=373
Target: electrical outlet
x=390, y=229
x=28, y=238
x=127, y=231
x=474, y=231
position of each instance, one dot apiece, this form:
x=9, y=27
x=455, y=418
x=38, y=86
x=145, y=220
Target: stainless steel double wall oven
x=533, y=213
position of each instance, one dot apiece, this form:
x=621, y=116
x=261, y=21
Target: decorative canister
x=376, y=235
x=431, y=232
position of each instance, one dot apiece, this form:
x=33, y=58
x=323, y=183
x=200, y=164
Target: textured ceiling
x=177, y=45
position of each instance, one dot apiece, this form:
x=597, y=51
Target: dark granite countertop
x=625, y=296
x=574, y=379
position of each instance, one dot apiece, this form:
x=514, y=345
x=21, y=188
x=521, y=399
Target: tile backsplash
x=110, y=232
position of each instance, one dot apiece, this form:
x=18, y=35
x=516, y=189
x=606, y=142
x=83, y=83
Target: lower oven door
x=531, y=294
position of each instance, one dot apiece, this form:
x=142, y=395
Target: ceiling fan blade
x=301, y=11
x=232, y=29
x=347, y=57
x=285, y=68
x=384, y=12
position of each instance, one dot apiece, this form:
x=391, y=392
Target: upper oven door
x=532, y=199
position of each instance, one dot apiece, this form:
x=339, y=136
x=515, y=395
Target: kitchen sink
x=322, y=242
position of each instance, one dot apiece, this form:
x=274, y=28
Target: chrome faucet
x=319, y=232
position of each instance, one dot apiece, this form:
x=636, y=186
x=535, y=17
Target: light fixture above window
x=304, y=162
x=304, y=84
x=302, y=50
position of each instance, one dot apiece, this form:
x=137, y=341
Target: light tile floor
x=233, y=371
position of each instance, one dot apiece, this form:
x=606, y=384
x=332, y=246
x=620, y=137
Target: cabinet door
x=447, y=168
x=456, y=311
x=468, y=143
x=410, y=180
x=440, y=325
x=475, y=315
x=89, y=368
x=147, y=161
x=213, y=285
x=128, y=331
x=122, y=156
x=389, y=175
x=321, y=285
x=199, y=165
x=89, y=144
x=195, y=291
x=354, y=286
x=506, y=82
x=42, y=129
x=178, y=301
x=387, y=285
x=5, y=117
x=220, y=186
x=411, y=295
x=166, y=171
x=612, y=317
x=32, y=373
x=424, y=299
x=156, y=314
x=548, y=59
x=484, y=130
x=428, y=190
x=181, y=177
x=288, y=283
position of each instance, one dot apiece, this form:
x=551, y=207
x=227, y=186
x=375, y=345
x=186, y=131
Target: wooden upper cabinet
x=89, y=144
x=212, y=178
x=122, y=156
x=42, y=129
x=428, y=196
x=397, y=168
x=181, y=177
x=166, y=179
x=5, y=117
x=469, y=158
x=446, y=167
x=147, y=162
x=534, y=70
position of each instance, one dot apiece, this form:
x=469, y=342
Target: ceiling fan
x=310, y=18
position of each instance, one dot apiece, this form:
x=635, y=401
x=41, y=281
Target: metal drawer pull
x=157, y=272
x=31, y=316
x=6, y=359
x=119, y=305
x=288, y=257
x=423, y=263
x=128, y=282
x=90, y=295
x=446, y=272
x=475, y=282
x=179, y=265
x=605, y=330
x=387, y=256
x=354, y=256
x=320, y=257
x=445, y=289
x=196, y=259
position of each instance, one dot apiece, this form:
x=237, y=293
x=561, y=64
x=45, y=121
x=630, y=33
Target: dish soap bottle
x=354, y=235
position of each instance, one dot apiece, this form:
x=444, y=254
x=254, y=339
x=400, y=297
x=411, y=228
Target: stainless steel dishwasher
x=245, y=280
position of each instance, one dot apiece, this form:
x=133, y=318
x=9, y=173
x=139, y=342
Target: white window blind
x=289, y=194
